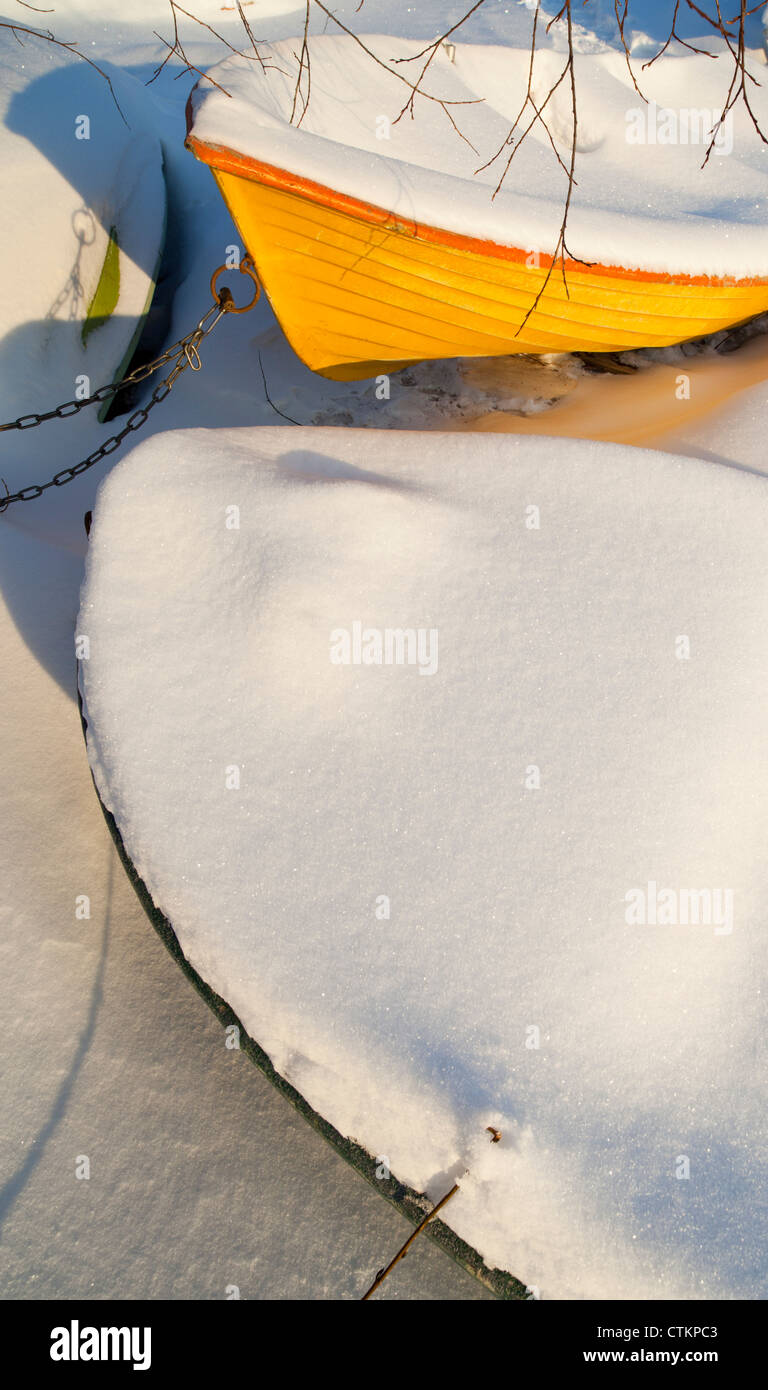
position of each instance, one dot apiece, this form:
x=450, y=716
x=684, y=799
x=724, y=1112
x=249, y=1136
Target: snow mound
x=506, y=871
x=642, y=199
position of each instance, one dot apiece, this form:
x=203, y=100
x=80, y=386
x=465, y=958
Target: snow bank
x=642, y=199
x=428, y=888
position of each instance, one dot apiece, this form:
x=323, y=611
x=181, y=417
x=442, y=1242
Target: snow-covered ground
x=201, y=1176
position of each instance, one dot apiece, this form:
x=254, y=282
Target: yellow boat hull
x=359, y=291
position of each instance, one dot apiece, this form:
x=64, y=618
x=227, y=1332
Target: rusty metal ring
x=246, y=267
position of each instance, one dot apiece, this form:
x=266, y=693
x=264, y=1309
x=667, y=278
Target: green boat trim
x=107, y=292
x=406, y=1200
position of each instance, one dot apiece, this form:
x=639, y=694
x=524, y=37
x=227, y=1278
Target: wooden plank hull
x=359, y=290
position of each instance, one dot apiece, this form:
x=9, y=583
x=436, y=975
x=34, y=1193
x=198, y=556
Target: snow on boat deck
x=642, y=200
x=460, y=892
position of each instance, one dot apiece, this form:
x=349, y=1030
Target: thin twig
x=431, y=50
x=621, y=19
x=414, y=88
x=176, y=48
x=382, y=1274
x=303, y=61
x=70, y=47
x=736, y=46
x=269, y=398
x=249, y=32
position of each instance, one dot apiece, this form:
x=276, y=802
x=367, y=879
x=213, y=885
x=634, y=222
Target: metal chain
x=183, y=353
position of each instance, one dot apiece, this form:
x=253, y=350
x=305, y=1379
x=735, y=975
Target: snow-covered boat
x=382, y=242
x=468, y=835
x=82, y=219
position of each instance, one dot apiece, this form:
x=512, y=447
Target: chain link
x=184, y=353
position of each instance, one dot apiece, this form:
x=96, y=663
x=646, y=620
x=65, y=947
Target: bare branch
x=621, y=19
x=414, y=88
x=432, y=47
x=738, y=89
x=48, y=37
x=674, y=37
x=529, y=100
x=432, y=50
x=249, y=32
x=303, y=61
x=176, y=48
